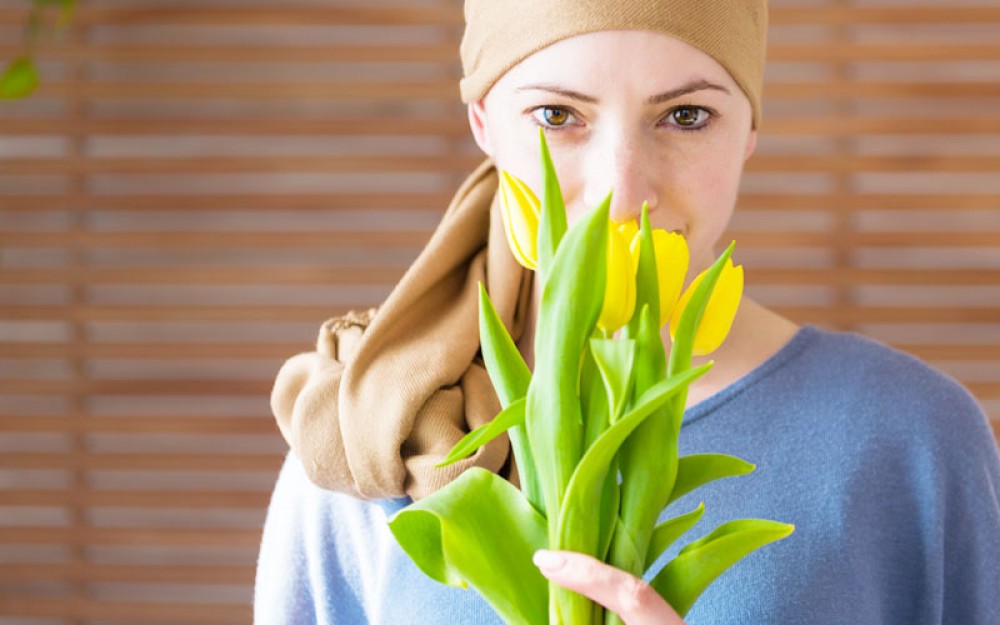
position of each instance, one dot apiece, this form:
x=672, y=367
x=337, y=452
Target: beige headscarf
x=501, y=33
x=388, y=393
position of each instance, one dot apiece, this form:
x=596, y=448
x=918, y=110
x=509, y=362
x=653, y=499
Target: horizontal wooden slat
x=390, y=239
x=158, y=499
x=445, y=92
x=288, y=126
x=329, y=14
x=130, y=613
x=127, y=536
x=155, y=386
x=815, y=314
x=339, y=275
x=223, y=462
x=150, y=350
x=204, y=276
x=276, y=351
x=432, y=15
x=388, y=164
x=430, y=200
x=174, y=313
x=125, y=573
x=889, y=314
x=171, y=424
x=211, y=240
x=443, y=54
x=201, y=202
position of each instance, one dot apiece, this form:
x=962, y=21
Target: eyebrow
x=690, y=87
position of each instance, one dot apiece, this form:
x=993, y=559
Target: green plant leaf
x=669, y=531
x=647, y=285
x=651, y=450
x=20, y=79
x=571, y=303
x=552, y=216
x=479, y=530
x=510, y=377
x=683, y=347
x=698, y=564
x=700, y=469
x=593, y=399
x=511, y=416
x=508, y=371
x=576, y=528
x=615, y=360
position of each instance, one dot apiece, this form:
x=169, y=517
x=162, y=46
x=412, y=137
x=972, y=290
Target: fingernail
x=549, y=560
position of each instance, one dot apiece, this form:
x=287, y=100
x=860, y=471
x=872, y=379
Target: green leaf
x=511, y=416
x=699, y=469
x=571, y=303
x=669, y=531
x=626, y=547
x=552, y=216
x=20, y=78
x=683, y=347
x=576, y=529
x=697, y=565
x=615, y=360
x=593, y=399
x=510, y=377
x=479, y=530
x=508, y=371
x=647, y=284
x=651, y=450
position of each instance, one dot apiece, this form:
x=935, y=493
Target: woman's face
x=641, y=114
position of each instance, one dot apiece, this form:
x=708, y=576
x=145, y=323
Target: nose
x=619, y=164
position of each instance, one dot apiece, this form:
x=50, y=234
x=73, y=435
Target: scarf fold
x=389, y=392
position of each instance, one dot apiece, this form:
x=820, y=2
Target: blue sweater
x=887, y=468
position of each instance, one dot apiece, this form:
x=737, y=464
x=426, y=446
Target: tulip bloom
x=619, y=291
x=520, y=209
x=719, y=313
x=672, y=258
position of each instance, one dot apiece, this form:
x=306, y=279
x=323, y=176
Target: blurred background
x=196, y=185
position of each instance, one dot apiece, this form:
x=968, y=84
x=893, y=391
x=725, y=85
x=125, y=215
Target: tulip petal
x=619, y=289
x=520, y=219
x=672, y=259
x=720, y=311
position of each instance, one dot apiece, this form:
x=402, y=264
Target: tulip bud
x=520, y=209
x=719, y=313
x=619, y=291
x=672, y=258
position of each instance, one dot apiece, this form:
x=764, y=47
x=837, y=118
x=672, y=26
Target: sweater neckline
x=805, y=335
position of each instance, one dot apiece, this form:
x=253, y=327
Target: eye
x=552, y=116
x=689, y=117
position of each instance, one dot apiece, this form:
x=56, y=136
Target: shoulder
x=881, y=388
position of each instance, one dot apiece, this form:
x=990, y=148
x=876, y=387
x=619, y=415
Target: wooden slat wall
x=197, y=185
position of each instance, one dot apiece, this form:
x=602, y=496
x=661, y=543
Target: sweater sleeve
x=971, y=527
x=300, y=578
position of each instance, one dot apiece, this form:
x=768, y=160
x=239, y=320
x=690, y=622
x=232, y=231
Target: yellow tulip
x=628, y=229
x=672, y=258
x=720, y=311
x=619, y=290
x=520, y=209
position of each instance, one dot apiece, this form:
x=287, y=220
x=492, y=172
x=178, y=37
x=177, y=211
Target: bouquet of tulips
x=594, y=429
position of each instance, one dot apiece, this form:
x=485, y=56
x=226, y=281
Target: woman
x=886, y=467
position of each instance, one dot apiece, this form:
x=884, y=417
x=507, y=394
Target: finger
x=629, y=597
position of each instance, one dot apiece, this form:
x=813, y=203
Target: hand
x=629, y=597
